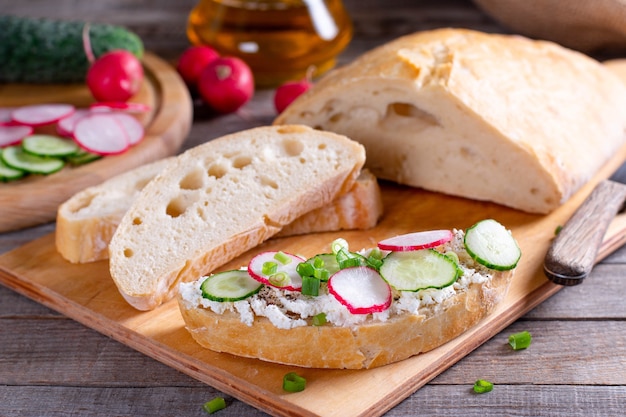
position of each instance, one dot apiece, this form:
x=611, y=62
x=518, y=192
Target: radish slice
x=65, y=126
x=120, y=106
x=416, y=241
x=102, y=134
x=41, y=114
x=361, y=289
x=258, y=269
x=134, y=129
x=13, y=135
x=5, y=115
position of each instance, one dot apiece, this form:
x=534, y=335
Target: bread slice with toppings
x=219, y=199
x=501, y=118
x=85, y=223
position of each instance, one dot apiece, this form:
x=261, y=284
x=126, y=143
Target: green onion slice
x=319, y=319
x=310, y=286
x=292, y=382
x=482, y=386
x=280, y=279
x=520, y=340
x=282, y=258
x=216, y=404
x=269, y=268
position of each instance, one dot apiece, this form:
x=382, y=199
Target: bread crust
x=492, y=117
x=367, y=345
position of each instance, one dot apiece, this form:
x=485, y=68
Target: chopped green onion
x=319, y=319
x=482, y=386
x=282, y=258
x=216, y=404
x=321, y=274
x=310, y=286
x=374, y=262
x=305, y=269
x=292, y=382
x=376, y=253
x=269, y=268
x=342, y=254
x=318, y=262
x=280, y=279
x=350, y=262
x=520, y=340
x=339, y=244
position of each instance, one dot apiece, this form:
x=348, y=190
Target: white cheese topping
x=289, y=309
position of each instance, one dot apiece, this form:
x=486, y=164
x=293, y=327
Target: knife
x=573, y=251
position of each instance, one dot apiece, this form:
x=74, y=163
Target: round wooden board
x=34, y=200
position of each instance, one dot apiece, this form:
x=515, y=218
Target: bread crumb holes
x=293, y=147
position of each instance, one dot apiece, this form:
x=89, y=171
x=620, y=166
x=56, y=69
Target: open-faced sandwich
x=346, y=309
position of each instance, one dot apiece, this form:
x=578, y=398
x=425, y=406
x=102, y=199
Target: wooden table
x=53, y=366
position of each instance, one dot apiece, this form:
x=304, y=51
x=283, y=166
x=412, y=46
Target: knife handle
x=573, y=251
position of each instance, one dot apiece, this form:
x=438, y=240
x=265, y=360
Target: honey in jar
x=280, y=40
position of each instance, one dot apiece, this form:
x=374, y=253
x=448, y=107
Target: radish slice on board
x=361, y=289
x=416, y=241
x=277, y=269
x=134, y=129
x=120, y=106
x=65, y=126
x=5, y=115
x=101, y=134
x=41, y=114
x=12, y=135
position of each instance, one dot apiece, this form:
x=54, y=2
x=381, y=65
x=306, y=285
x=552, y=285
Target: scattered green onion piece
x=482, y=386
x=280, y=279
x=339, y=244
x=374, y=262
x=376, y=253
x=350, y=262
x=269, y=268
x=216, y=404
x=520, y=340
x=305, y=269
x=292, y=382
x=310, y=286
x=342, y=254
x=282, y=258
x=319, y=319
x=321, y=274
x=558, y=230
x=318, y=262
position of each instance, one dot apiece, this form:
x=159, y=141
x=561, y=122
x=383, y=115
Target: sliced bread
x=219, y=199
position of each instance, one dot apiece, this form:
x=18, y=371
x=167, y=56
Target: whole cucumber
x=52, y=51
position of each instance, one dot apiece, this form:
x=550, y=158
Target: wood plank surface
x=35, y=199
x=58, y=367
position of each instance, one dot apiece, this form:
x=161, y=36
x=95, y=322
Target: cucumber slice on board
x=230, y=286
x=418, y=270
x=490, y=244
x=82, y=157
x=48, y=145
x=15, y=157
x=9, y=174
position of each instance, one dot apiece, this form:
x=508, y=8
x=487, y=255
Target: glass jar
x=279, y=39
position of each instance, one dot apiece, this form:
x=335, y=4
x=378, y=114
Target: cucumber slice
x=490, y=244
x=230, y=286
x=9, y=174
x=82, y=157
x=15, y=157
x=418, y=270
x=48, y=145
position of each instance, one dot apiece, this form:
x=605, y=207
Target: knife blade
x=573, y=251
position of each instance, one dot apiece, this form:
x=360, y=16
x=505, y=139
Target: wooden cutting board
x=35, y=199
x=87, y=294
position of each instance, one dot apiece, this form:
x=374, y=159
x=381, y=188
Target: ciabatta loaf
x=493, y=117
x=219, y=199
x=277, y=325
x=86, y=222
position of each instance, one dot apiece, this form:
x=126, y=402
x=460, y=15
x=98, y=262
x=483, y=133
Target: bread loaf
x=86, y=222
x=490, y=117
x=219, y=199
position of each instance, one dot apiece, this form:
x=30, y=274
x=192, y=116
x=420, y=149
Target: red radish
x=288, y=92
x=41, y=114
x=193, y=60
x=5, y=115
x=361, y=289
x=416, y=241
x=226, y=84
x=13, y=135
x=120, y=106
x=101, y=134
x=256, y=270
x=65, y=126
x=115, y=76
x=133, y=128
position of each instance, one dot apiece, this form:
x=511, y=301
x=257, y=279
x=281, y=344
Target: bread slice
x=86, y=222
x=416, y=322
x=493, y=117
x=219, y=199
